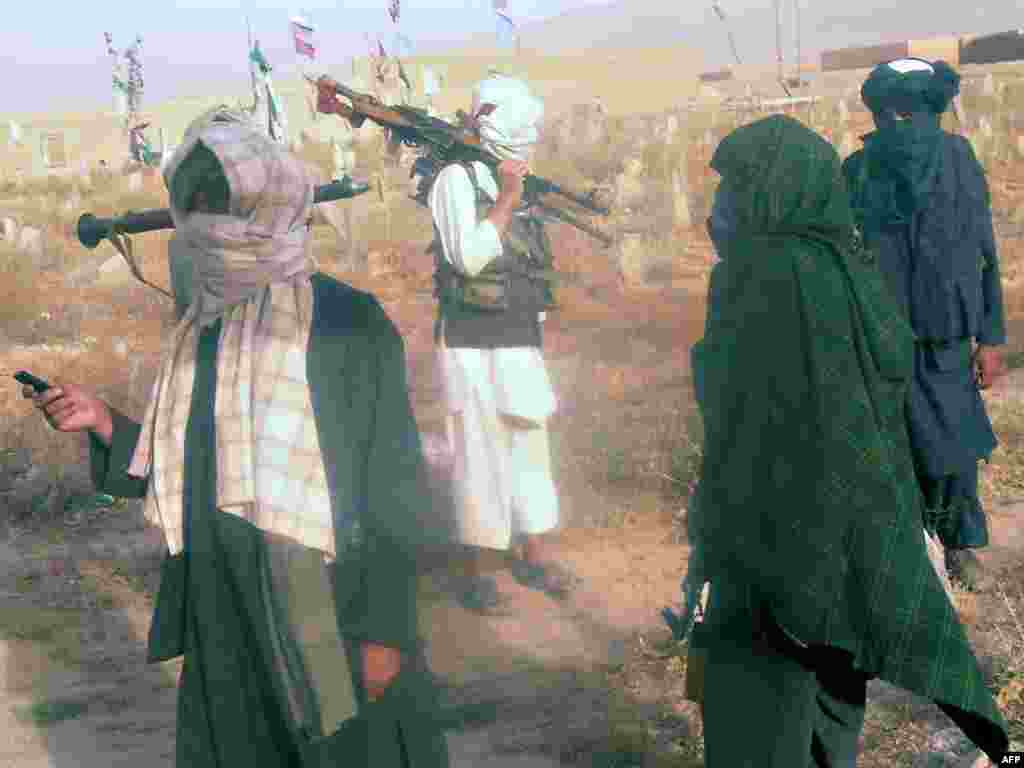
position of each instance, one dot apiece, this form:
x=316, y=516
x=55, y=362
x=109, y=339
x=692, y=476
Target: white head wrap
x=910, y=65
x=511, y=130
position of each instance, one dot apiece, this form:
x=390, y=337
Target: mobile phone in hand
x=35, y=382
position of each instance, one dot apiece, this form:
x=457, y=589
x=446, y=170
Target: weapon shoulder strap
x=424, y=193
x=481, y=195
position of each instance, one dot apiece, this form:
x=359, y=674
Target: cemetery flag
x=267, y=106
x=302, y=33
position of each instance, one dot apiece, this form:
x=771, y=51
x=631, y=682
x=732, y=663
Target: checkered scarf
x=252, y=271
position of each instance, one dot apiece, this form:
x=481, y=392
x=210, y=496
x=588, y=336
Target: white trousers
x=501, y=471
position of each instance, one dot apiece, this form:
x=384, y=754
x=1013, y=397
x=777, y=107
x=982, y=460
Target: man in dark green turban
x=807, y=520
x=922, y=204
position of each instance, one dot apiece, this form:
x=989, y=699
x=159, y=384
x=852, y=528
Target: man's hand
x=328, y=103
x=990, y=366
x=326, y=96
x=510, y=180
x=69, y=408
x=510, y=193
x=381, y=665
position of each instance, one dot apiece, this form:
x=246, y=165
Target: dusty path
x=81, y=648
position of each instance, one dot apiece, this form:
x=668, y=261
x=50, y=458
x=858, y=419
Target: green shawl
x=807, y=486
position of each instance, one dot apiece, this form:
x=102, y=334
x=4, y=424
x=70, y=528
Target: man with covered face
x=491, y=279
x=806, y=521
x=280, y=458
x=922, y=205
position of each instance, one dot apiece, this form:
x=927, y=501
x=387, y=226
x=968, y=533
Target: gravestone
x=630, y=188
x=9, y=230
x=32, y=243
x=985, y=127
x=596, y=123
x=681, y=215
x=671, y=128
x=988, y=86
x=844, y=112
x=847, y=146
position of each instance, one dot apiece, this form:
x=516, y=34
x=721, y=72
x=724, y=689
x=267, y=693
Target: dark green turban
x=907, y=86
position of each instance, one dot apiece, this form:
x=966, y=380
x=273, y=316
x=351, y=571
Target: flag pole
x=799, y=50
x=248, y=58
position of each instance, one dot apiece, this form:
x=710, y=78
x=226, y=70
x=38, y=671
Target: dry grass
x=58, y=630
x=82, y=330
x=663, y=257
x=1003, y=478
x=1009, y=630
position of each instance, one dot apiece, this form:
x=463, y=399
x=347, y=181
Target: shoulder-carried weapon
x=91, y=230
x=444, y=144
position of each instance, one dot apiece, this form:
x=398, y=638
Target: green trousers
x=767, y=707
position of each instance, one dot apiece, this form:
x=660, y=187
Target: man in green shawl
x=807, y=520
x=921, y=202
x=280, y=457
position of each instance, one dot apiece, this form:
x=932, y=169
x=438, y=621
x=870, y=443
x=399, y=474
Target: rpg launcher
x=92, y=230
x=443, y=144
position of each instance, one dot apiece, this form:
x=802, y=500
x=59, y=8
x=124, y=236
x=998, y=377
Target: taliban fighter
x=491, y=262
x=922, y=205
x=280, y=457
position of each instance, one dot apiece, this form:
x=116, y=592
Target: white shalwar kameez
x=502, y=473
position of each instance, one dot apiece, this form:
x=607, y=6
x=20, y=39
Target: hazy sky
x=54, y=56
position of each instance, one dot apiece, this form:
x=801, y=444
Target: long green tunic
x=210, y=606
x=807, y=492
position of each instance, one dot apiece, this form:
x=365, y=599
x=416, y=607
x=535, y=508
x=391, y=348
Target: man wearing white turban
x=491, y=261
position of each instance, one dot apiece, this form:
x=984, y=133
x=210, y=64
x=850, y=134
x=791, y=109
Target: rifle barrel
x=545, y=187
x=91, y=230
x=568, y=218
x=366, y=106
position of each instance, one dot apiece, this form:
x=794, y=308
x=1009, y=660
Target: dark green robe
x=807, y=499
x=209, y=607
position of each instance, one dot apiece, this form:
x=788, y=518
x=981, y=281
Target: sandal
x=554, y=579
x=480, y=595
